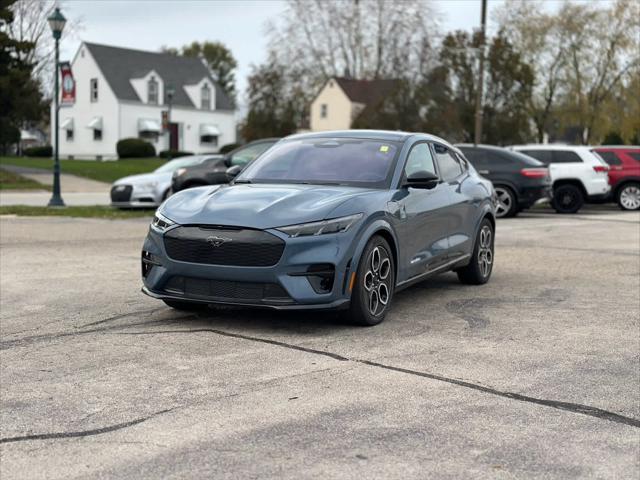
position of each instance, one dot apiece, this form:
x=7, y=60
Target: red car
x=624, y=174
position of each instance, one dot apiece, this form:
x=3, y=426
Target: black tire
x=567, y=198
x=507, y=202
x=478, y=272
x=186, y=306
x=628, y=196
x=367, y=306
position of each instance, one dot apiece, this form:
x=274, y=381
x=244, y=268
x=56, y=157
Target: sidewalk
x=76, y=191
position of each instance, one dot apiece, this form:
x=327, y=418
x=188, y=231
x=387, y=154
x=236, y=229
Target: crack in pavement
x=83, y=433
x=565, y=406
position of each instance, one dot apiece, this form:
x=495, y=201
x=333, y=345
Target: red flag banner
x=68, y=84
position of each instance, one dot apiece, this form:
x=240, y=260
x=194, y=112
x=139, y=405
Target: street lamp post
x=170, y=92
x=56, y=22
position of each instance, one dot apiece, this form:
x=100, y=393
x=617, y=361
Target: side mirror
x=232, y=172
x=422, y=179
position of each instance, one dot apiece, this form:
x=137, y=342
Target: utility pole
x=483, y=29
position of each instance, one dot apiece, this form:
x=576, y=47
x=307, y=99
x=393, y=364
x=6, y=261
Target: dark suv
x=520, y=181
x=214, y=170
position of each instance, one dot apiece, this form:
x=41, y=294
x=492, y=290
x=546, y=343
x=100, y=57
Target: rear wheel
x=507, y=202
x=629, y=196
x=480, y=267
x=374, y=284
x=567, y=199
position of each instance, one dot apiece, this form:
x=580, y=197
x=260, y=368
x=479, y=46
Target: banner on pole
x=68, y=85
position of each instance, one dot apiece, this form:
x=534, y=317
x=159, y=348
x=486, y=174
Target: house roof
x=366, y=91
x=120, y=65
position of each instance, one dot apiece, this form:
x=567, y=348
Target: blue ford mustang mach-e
x=325, y=220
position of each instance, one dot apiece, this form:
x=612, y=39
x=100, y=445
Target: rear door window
x=565, y=156
x=634, y=155
x=448, y=164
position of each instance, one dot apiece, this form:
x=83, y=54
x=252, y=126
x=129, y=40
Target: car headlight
x=335, y=225
x=160, y=223
x=179, y=172
x=147, y=186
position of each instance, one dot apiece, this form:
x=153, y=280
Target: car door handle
x=483, y=172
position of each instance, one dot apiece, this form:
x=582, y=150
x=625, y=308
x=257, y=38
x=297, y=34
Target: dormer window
x=205, y=97
x=152, y=91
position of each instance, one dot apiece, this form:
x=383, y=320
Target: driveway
x=532, y=375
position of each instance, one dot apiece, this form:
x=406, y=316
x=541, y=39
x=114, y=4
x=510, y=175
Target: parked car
x=624, y=174
x=150, y=189
x=324, y=221
x=577, y=174
x=214, y=171
x=520, y=181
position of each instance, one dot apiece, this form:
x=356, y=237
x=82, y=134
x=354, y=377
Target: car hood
x=259, y=205
x=144, y=178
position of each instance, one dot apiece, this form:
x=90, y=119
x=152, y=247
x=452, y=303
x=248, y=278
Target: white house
x=121, y=93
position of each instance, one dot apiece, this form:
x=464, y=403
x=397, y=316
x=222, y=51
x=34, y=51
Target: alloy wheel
x=376, y=280
x=630, y=197
x=505, y=202
x=485, y=251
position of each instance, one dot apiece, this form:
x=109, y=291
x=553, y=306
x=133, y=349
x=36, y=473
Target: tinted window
x=545, y=156
x=563, y=156
x=634, y=155
x=476, y=157
x=610, y=157
x=449, y=166
x=249, y=153
x=420, y=159
x=347, y=161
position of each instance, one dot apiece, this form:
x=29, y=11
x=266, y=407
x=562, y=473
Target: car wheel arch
x=570, y=181
x=384, y=229
x=623, y=183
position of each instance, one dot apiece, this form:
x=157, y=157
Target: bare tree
x=30, y=25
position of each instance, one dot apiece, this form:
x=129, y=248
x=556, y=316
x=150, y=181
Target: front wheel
x=567, y=199
x=480, y=267
x=629, y=197
x=374, y=284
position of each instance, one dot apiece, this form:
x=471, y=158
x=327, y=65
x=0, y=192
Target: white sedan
x=148, y=190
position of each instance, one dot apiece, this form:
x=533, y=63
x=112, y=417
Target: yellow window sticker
x=384, y=148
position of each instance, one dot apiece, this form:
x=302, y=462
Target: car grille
x=223, y=290
x=121, y=193
x=224, y=246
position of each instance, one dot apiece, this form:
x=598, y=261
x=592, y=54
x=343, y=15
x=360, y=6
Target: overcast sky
x=239, y=24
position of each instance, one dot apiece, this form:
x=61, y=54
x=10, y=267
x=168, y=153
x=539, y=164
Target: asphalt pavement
x=534, y=375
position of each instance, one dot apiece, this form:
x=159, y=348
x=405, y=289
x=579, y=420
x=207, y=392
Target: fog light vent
x=320, y=276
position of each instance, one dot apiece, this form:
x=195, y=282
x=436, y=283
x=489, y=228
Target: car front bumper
x=131, y=196
x=290, y=284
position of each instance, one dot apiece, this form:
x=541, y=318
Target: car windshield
x=334, y=161
x=173, y=165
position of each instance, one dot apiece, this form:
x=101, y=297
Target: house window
x=205, y=97
x=97, y=134
x=152, y=91
x=69, y=136
x=148, y=135
x=94, y=90
x=323, y=110
x=209, y=140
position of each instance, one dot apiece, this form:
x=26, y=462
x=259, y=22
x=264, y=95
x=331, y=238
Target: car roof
x=384, y=135
x=617, y=147
x=513, y=154
x=552, y=146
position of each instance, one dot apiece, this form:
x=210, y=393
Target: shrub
x=228, y=147
x=174, y=153
x=134, y=147
x=44, y=151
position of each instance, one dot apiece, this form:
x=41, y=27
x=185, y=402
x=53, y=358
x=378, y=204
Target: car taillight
x=601, y=168
x=535, y=172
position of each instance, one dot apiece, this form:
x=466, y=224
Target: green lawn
x=11, y=181
x=87, y=212
x=102, y=171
